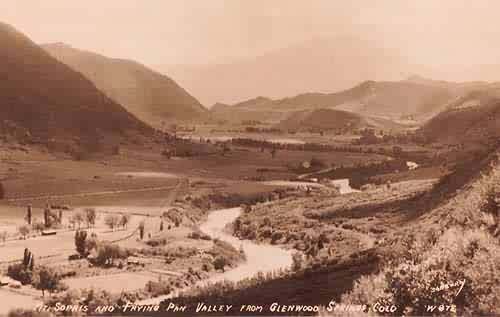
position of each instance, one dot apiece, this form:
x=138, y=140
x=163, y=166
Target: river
x=260, y=257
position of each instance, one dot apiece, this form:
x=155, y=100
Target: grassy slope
x=452, y=239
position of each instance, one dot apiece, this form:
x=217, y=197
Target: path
x=260, y=257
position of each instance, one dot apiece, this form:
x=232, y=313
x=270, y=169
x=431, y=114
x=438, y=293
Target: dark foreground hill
x=43, y=100
x=147, y=94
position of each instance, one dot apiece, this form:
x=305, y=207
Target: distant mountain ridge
x=320, y=65
x=50, y=101
x=385, y=100
x=149, y=95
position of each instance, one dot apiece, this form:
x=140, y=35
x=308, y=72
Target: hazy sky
x=430, y=32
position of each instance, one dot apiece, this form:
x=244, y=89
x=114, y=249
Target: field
x=113, y=283
x=155, y=191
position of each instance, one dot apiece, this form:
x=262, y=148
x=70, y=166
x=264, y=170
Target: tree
x=112, y=221
x=81, y=243
x=37, y=226
x=90, y=217
x=3, y=236
x=141, y=230
x=46, y=216
x=107, y=253
x=220, y=262
x=29, y=214
x=27, y=258
x=298, y=261
x=273, y=152
x=78, y=218
x=24, y=230
x=125, y=220
x=46, y=278
x=161, y=225
x=2, y=191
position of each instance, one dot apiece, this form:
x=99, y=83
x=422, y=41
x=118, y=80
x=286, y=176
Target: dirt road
x=260, y=257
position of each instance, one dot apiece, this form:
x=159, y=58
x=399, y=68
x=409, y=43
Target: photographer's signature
x=450, y=285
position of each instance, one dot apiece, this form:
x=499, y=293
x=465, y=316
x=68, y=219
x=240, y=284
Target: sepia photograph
x=249, y=158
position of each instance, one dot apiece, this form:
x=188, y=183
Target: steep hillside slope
x=48, y=100
x=472, y=118
x=147, y=94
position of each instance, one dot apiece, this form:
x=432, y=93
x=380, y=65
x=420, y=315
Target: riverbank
x=259, y=257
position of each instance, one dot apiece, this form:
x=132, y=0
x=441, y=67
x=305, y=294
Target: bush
x=220, y=262
x=156, y=242
x=470, y=257
x=107, y=254
x=47, y=278
x=198, y=235
x=21, y=312
x=317, y=163
x=158, y=288
x=20, y=273
x=24, y=231
x=298, y=261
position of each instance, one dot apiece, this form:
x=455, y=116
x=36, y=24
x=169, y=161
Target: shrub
x=317, y=163
x=47, y=278
x=21, y=312
x=298, y=261
x=470, y=257
x=24, y=231
x=156, y=242
x=20, y=273
x=197, y=235
x=220, y=262
x=158, y=288
x=107, y=254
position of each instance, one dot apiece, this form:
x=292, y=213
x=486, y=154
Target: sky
x=437, y=33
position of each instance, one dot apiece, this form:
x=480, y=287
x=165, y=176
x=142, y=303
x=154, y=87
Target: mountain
x=147, y=94
x=474, y=118
x=322, y=65
x=394, y=101
x=48, y=101
x=322, y=119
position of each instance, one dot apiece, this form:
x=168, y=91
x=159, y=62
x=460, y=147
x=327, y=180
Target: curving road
x=260, y=257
